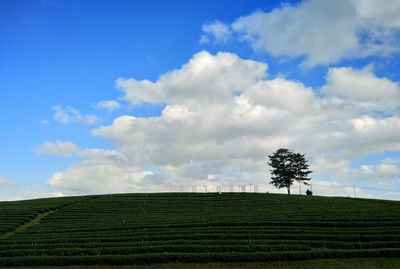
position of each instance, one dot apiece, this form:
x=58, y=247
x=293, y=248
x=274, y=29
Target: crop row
x=14, y=214
x=193, y=257
x=149, y=249
x=107, y=229
x=97, y=222
x=218, y=234
x=148, y=219
x=77, y=239
x=201, y=244
x=235, y=230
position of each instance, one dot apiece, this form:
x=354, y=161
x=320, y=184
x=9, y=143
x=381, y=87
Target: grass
x=33, y=222
x=377, y=263
x=194, y=228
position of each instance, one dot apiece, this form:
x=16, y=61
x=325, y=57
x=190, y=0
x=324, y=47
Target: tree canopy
x=288, y=167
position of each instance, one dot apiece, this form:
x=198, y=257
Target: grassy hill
x=195, y=228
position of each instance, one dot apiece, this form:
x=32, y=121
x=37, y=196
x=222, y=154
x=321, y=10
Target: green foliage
x=15, y=214
x=172, y=227
x=287, y=168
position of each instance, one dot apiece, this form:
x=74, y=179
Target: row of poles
x=219, y=188
x=232, y=188
x=252, y=188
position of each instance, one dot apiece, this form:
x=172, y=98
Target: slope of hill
x=194, y=227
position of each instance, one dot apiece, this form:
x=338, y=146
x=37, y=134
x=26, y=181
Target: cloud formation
x=58, y=148
x=109, y=105
x=4, y=182
x=205, y=78
x=363, y=88
x=323, y=32
x=68, y=114
x=223, y=115
x=101, y=172
x=217, y=31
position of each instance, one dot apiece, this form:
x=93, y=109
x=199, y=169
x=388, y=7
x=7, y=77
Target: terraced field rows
x=173, y=227
x=15, y=214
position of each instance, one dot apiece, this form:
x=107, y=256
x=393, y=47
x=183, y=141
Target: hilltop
x=123, y=229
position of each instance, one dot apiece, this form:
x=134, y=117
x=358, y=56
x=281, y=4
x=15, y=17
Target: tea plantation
x=195, y=228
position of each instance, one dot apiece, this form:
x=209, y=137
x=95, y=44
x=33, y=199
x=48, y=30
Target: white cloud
x=44, y=122
x=4, y=182
x=337, y=177
x=222, y=116
x=108, y=105
x=204, y=78
x=204, y=39
x=33, y=193
x=67, y=149
x=382, y=173
x=103, y=172
x=375, y=134
x=362, y=88
x=59, y=148
x=323, y=32
x=67, y=114
x=217, y=31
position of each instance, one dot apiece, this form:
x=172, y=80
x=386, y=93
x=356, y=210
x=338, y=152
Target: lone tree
x=287, y=168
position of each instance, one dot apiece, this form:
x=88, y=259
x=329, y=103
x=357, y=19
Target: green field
x=360, y=263
x=175, y=228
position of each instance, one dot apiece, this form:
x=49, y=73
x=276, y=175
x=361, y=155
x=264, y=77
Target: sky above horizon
x=142, y=96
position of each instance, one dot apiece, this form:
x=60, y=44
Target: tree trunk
x=288, y=190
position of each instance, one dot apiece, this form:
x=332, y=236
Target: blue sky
x=72, y=72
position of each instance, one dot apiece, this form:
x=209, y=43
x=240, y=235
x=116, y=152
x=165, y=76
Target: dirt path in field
x=27, y=225
x=36, y=220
